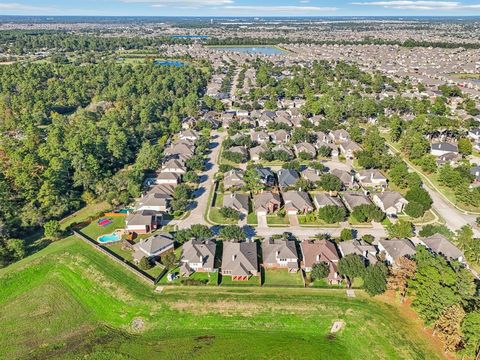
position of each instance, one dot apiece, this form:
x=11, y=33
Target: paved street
x=200, y=204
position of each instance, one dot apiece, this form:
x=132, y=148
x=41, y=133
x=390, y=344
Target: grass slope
x=71, y=302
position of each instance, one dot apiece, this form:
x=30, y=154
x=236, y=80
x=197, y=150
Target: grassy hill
x=71, y=302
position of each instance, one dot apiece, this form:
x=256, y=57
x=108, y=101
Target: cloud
x=304, y=1
x=23, y=7
x=420, y=5
x=280, y=9
x=181, y=3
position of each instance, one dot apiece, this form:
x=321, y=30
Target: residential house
x=311, y=175
x=305, y=147
x=236, y=201
x=442, y=148
x=339, y=136
x=366, y=251
x=267, y=177
x=395, y=249
x=141, y=222
x=153, y=246
x=333, y=148
x=316, y=251
x=239, y=260
x=322, y=137
x=297, y=202
x=233, y=179
x=349, y=149
x=391, y=202
x=189, y=134
x=287, y=177
x=347, y=179
x=441, y=245
x=280, y=136
x=174, y=166
x=280, y=254
x=256, y=151
x=325, y=199
x=354, y=199
x=266, y=203
x=260, y=137
x=198, y=255
x=167, y=178
x=475, y=171
x=474, y=134
x=371, y=178
x=153, y=201
x=283, y=148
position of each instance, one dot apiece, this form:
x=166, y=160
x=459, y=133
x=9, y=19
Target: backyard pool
x=108, y=238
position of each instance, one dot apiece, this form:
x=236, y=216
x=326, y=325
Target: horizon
x=242, y=8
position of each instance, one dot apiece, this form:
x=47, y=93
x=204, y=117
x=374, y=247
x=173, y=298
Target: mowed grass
x=70, y=301
x=281, y=277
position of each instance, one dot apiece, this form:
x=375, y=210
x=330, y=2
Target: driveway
x=293, y=220
x=262, y=221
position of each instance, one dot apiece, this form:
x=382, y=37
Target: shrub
x=229, y=213
x=145, y=263
x=414, y=209
x=346, y=234
x=331, y=214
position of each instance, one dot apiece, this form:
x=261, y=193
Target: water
x=170, y=63
x=264, y=50
x=109, y=238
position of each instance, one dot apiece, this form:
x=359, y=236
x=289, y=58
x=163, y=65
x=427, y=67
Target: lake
x=265, y=50
x=189, y=37
x=170, y=63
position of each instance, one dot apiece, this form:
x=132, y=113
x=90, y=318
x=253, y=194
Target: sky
x=260, y=8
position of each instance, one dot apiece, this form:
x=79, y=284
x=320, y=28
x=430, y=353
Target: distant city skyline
x=241, y=8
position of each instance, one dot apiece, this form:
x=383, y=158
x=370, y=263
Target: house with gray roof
x=325, y=199
x=441, y=245
x=141, y=222
x=198, y=255
x=174, y=166
x=390, y=202
x=311, y=175
x=316, y=251
x=371, y=178
x=266, y=202
x=280, y=253
x=305, y=147
x=347, y=179
x=283, y=148
x=280, y=136
x=260, y=137
x=354, y=199
x=256, y=151
x=442, y=148
x=233, y=179
x=361, y=248
x=153, y=246
x=287, y=177
x=395, y=249
x=153, y=201
x=267, y=177
x=297, y=202
x=349, y=149
x=236, y=201
x=239, y=260
x=239, y=150
x=339, y=136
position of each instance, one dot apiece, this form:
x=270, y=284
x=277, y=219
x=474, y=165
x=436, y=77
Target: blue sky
x=241, y=7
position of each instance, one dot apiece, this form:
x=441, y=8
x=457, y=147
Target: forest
x=71, y=134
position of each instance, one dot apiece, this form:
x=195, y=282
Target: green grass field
x=69, y=301
x=281, y=277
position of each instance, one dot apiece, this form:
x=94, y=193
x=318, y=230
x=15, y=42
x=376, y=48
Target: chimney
x=234, y=257
x=318, y=257
x=277, y=253
x=200, y=258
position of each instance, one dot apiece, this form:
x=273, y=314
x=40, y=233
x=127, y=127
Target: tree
x=144, y=263
x=398, y=175
x=229, y=213
x=448, y=327
x=400, y=229
x=232, y=232
x=367, y=213
x=169, y=260
x=368, y=238
x=421, y=196
x=465, y=147
x=15, y=248
x=191, y=177
x=414, y=209
x=320, y=270
x=200, y=232
x=375, y=279
x=51, y=229
x=329, y=182
x=431, y=229
x=471, y=332
x=400, y=275
x=351, y=266
x=346, y=234
x=252, y=180
x=331, y=214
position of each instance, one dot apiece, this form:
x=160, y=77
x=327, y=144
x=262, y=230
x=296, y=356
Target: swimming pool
x=170, y=63
x=107, y=238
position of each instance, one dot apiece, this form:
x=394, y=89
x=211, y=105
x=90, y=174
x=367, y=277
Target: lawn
x=275, y=220
x=69, y=301
x=354, y=222
x=217, y=218
x=252, y=218
x=304, y=220
x=281, y=277
x=85, y=213
x=93, y=230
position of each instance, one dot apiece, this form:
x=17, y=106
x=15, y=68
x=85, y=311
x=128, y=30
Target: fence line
x=141, y=275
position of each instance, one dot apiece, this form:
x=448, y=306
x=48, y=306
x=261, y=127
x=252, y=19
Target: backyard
x=281, y=277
